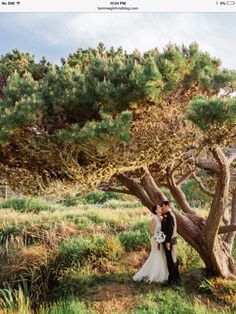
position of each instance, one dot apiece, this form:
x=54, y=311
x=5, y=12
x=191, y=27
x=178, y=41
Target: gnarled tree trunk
x=204, y=235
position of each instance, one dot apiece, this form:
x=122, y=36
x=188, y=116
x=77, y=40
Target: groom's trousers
x=172, y=264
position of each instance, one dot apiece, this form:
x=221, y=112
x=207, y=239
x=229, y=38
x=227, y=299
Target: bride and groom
x=161, y=265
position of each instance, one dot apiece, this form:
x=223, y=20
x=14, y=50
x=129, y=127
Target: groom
x=169, y=227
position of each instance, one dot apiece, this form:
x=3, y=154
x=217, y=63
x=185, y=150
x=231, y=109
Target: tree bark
x=230, y=236
x=216, y=247
x=178, y=193
x=151, y=188
x=136, y=190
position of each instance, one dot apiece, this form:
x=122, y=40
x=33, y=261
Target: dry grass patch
x=135, y=259
x=114, y=298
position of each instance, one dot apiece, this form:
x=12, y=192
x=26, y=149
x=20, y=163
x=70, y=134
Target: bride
x=155, y=268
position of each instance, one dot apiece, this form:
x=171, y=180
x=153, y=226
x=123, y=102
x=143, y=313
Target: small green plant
x=206, y=286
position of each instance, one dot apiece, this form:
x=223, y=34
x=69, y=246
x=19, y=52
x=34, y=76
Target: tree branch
x=105, y=186
x=219, y=200
x=228, y=228
x=207, y=165
x=202, y=187
x=184, y=177
x=151, y=188
x=177, y=193
x=123, y=191
x=136, y=190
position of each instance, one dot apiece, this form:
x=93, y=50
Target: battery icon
x=230, y=2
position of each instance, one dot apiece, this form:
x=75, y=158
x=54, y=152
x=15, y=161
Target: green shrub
x=76, y=250
x=70, y=201
x=100, y=197
x=194, y=195
x=134, y=239
x=26, y=204
x=142, y=226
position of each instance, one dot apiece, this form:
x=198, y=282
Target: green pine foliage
x=92, y=94
x=207, y=113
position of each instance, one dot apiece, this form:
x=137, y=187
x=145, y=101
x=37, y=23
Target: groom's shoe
x=165, y=284
x=176, y=284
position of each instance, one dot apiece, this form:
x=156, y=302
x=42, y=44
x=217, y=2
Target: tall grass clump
x=26, y=204
x=34, y=265
x=9, y=232
x=80, y=250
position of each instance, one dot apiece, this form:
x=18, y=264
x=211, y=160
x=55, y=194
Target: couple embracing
x=161, y=265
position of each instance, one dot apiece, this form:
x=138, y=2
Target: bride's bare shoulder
x=154, y=218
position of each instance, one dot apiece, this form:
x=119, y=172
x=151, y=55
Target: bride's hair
x=153, y=210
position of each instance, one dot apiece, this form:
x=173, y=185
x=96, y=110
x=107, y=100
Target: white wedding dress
x=155, y=268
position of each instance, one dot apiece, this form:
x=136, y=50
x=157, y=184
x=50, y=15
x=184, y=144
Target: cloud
x=64, y=33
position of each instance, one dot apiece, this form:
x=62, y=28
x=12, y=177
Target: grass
x=172, y=301
x=81, y=259
x=26, y=204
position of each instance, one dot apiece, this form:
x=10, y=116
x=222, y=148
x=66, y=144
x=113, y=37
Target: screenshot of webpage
x=117, y=156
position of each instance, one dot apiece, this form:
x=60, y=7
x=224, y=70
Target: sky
x=55, y=35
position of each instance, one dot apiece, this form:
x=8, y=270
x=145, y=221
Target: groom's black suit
x=168, y=226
